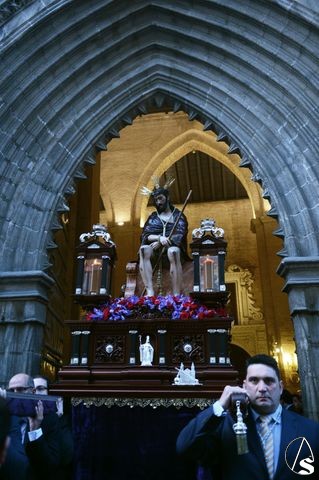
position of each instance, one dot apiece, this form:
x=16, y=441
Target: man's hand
x=154, y=241
x=158, y=240
x=35, y=422
x=155, y=245
x=164, y=241
x=227, y=393
x=161, y=242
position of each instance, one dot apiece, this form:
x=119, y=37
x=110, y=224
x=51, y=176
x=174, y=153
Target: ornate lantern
x=96, y=255
x=208, y=252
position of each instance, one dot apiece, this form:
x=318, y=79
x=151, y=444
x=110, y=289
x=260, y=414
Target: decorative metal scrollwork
x=154, y=403
x=188, y=348
x=208, y=226
x=98, y=231
x=110, y=349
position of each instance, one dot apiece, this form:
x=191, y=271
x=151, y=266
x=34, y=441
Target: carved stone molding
x=301, y=283
x=12, y=7
x=252, y=338
x=248, y=311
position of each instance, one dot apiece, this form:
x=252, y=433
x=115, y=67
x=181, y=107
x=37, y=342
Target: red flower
x=187, y=304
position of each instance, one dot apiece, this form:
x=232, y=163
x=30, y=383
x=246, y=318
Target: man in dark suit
x=34, y=451
x=41, y=387
x=4, y=430
x=288, y=448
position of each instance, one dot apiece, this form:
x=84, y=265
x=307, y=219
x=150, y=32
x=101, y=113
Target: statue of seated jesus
x=164, y=234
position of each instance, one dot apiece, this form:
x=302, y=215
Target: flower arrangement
x=170, y=306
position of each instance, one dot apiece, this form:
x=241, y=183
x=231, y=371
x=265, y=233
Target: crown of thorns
x=156, y=183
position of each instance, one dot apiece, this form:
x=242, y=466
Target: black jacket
x=33, y=460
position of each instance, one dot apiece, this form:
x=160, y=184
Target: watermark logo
x=300, y=456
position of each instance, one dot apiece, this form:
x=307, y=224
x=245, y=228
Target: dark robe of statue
x=155, y=226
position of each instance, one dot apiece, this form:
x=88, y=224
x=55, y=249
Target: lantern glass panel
x=92, y=276
x=209, y=277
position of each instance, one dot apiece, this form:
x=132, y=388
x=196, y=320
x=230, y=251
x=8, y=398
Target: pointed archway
x=73, y=76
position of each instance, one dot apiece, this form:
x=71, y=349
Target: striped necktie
x=267, y=442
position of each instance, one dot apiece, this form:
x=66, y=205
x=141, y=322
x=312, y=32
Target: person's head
x=286, y=397
x=161, y=199
x=21, y=383
x=263, y=383
x=41, y=385
x=4, y=429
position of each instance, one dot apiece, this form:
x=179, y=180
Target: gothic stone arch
x=73, y=73
x=195, y=139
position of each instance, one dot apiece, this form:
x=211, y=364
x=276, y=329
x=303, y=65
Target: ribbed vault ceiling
x=208, y=179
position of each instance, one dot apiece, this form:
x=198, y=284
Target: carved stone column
x=302, y=285
x=273, y=307
x=23, y=302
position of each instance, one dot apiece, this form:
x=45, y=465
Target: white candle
x=208, y=274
